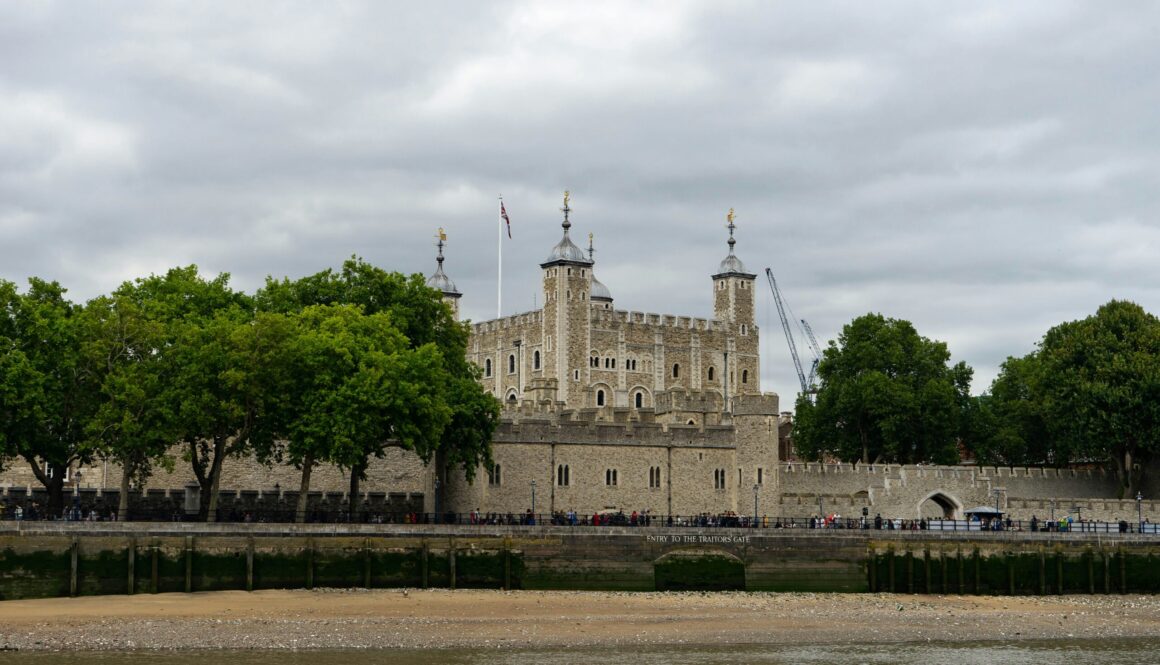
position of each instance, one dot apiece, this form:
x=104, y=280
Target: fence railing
x=366, y=515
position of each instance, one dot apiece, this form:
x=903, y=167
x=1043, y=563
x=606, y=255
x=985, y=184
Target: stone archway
x=699, y=569
x=939, y=505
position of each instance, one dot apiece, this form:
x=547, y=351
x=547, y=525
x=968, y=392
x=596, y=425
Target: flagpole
x=499, y=267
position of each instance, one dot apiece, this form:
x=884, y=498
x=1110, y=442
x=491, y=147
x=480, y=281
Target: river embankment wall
x=63, y=559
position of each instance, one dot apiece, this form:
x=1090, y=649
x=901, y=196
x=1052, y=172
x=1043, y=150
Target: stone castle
x=607, y=409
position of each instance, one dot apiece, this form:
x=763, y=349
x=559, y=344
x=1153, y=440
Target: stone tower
x=567, y=279
x=733, y=306
x=441, y=281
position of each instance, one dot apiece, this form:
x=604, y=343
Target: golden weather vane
x=730, y=216
x=567, y=197
x=441, y=235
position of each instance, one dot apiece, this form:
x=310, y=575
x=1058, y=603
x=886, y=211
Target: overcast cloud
x=984, y=170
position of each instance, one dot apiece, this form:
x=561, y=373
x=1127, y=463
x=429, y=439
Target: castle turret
x=733, y=305
x=599, y=294
x=441, y=281
x=567, y=277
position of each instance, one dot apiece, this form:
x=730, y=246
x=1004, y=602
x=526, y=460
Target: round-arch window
x=511, y=364
x=599, y=398
x=744, y=376
x=639, y=400
x=676, y=371
x=536, y=360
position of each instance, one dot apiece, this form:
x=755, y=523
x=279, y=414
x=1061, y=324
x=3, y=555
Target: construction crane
x=806, y=384
x=817, y=350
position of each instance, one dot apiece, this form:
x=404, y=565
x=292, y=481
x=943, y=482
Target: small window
x=744, y=376
x=599, y=398
x=654, y=476
x=639, y=400
x=495, y=476
x=710, y=373
x=719, y=479
x=511, y=364
x=760, y=476
x=487, y=367
x=575, y=375
x=676, y=371
x=562, y=475
x=610, y=477
x=744, y=330
x=536, y=360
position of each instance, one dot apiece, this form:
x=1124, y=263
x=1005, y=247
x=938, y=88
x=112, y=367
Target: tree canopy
x=887, y=395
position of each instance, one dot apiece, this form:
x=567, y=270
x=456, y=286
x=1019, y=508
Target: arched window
x=710, y=373
x=610, y=477
x=639, y=400
x=511, y=364
x=487, y=367
x=536, y=360
x=676, y=371
x=494, y=476
x=562, y=475
x=744, y=330
x=744, y=376
x=599, y=398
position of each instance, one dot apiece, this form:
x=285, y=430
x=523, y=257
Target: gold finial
x=589, y=238
x=442, y=235
x=730, y=216
x=567, y=197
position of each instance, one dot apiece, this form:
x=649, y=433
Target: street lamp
x=756, y=489
x=533, y=499
x=1052, y=510
x=1140, y=510
x=436, y=500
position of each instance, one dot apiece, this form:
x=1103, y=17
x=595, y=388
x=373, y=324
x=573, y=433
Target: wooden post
x=1010, y=574
x=250, y=564
x=942, y=562
x=1043, y=572
x=926, y=570
x=310, y=564
x=189, y=564
x=131, y=555
x=153, y=554
x=1091, y=570
x=451, y=563
x=871, y=570
x=1123, y=571
x=1107, y=572
x=1059, y=573
x=425, y=553
x=890, y=564
x=74, y=551
x=975, y=556
x=367, y=563
x=507, y=562
x=909, y=571
x=962, y=571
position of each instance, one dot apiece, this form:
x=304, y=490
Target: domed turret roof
x=440, y=280
x=566, y=250
x=599, y=291
x=731, y=265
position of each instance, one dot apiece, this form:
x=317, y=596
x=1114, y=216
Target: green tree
x=1012, y=427
x=126, y=351
x=1100, y=385
x=887, y=395
x=46, y=398
x=418, y=312
x=213, y=359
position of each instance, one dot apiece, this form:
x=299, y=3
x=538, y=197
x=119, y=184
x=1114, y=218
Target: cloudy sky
x=984, y=170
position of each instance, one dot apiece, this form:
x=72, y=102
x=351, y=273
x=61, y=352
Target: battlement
x=936, y=471
x=515, y=320
x=590, y=432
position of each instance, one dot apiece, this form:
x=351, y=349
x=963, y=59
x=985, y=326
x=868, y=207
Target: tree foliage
x=887, y=395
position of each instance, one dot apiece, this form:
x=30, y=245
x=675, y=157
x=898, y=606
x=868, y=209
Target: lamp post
x=436, y=500
x=1053, y=511
x=756, y=489
x=533, y=499
x=1140, y=511
x=821, y=512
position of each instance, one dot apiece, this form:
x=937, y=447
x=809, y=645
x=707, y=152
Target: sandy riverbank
x=440, y=618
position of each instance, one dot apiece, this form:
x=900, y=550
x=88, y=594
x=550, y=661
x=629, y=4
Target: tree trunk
x=356, y=476
x=210, y=482
x=304, y=489
x=123, y=500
